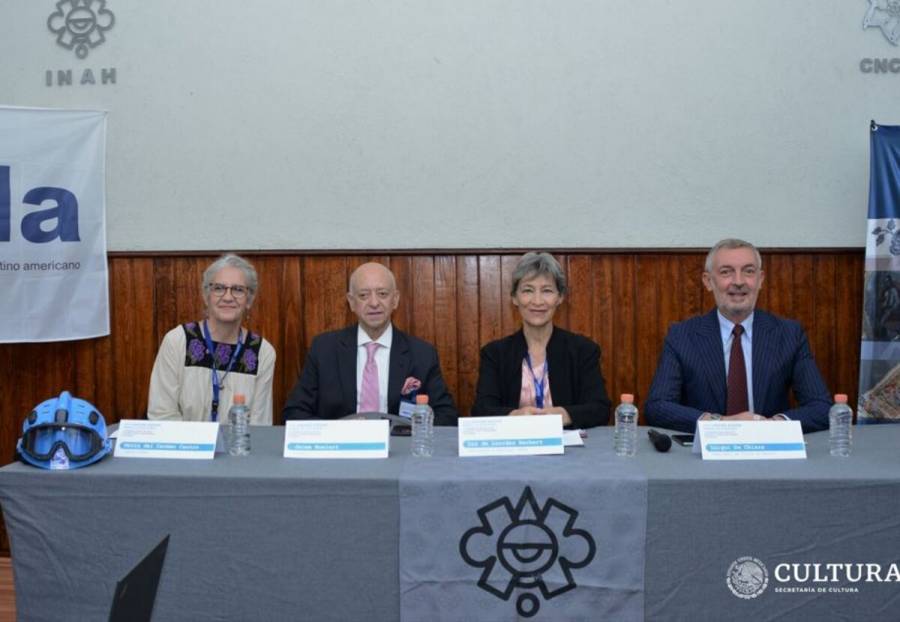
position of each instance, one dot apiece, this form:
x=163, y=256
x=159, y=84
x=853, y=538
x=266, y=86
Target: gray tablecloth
x=263, y=538
x=587, y=508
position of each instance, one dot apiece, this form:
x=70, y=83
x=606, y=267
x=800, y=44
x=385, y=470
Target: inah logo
x=80, y=24
x=526, y=548
x=747, y=577
x=884, y=14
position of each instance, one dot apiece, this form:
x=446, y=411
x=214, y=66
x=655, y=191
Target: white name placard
x=751, y=440
x=178, y=440
x=510, y=436
x=337, y=439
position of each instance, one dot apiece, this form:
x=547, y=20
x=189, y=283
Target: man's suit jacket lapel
x=712, y=357
x=347, y=351
x=763, y=351
x=399, y=367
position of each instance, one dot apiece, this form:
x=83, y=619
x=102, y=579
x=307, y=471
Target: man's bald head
x=373, y=296
x=369, y=271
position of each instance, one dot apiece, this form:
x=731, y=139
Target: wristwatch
x=712, y=416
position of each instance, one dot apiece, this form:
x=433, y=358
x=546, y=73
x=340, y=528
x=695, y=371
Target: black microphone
x=662, y=442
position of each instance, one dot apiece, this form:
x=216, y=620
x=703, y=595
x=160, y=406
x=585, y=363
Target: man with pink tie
x=370, y=366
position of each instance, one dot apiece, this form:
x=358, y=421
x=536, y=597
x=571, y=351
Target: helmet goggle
x=63, y=433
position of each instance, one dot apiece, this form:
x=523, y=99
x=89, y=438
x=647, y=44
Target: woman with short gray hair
x=201, y=366
x=541, y=369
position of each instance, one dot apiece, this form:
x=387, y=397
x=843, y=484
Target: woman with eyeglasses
x=201, y=365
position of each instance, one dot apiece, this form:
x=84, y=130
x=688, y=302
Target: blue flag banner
x=879, y=370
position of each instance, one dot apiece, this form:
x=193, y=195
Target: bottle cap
x=628, y=398
x=422, y=399
x=239, y=399
x=840, y=398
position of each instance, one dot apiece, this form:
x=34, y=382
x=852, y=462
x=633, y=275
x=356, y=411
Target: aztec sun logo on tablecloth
x=523, y=548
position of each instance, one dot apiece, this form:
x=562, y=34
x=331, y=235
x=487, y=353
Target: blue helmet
x=63, y=433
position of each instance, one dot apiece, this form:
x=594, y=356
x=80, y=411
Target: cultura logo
x=523, y=547
x=747, y=577
x=884, y=14
x=80, y=24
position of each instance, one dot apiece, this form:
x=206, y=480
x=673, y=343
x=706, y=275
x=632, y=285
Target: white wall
x=315, y=124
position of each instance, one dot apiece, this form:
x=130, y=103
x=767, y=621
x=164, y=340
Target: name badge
x=173, y=440
x=751, y=440
x=510, y=436
x=337, y=439
x=406, y=409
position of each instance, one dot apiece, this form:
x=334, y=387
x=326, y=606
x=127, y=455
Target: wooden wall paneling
x=790, y=285
x=325, y=295
x=603, y=324
x=689, y=280
x=490, y=300
x=653, y=302
x=134, y=343
x=96, y=354
x=580, y=299
x=847, y=329
x=402, y=267
x=188, y=295
x=291, y=350
x=422, y=301
x=803, y=305
x=624, y=310
x=38, y=372
x=445, y=321
x=510, y=319
x=268, y=317
x=821, y=333
x=468, y=322
x=85, y=371
x=778, y=293
x=165, y=286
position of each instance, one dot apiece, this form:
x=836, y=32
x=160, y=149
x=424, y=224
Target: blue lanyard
x=216, y=381
x=538, y=384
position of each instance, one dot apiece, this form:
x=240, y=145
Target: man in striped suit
x=736, y=362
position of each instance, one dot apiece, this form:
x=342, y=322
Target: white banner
x=53, y=272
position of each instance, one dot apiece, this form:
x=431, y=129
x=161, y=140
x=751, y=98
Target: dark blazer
x=690, y=378
x=573, y=365
x=326, y=388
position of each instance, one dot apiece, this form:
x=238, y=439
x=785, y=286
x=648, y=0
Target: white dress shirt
x=382, y=360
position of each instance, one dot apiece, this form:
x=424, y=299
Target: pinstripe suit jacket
x=690, y=378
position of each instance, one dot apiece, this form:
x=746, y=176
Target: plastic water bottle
x=422, y=428
x=239, y=427
x=626, y=426
x=840, y=418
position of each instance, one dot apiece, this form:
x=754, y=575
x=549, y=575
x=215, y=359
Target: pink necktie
x=368, y=392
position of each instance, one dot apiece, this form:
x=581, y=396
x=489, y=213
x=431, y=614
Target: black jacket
x=573, y=365
x=326, y=388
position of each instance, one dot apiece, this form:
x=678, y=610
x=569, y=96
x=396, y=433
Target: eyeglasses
x=237, y=291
